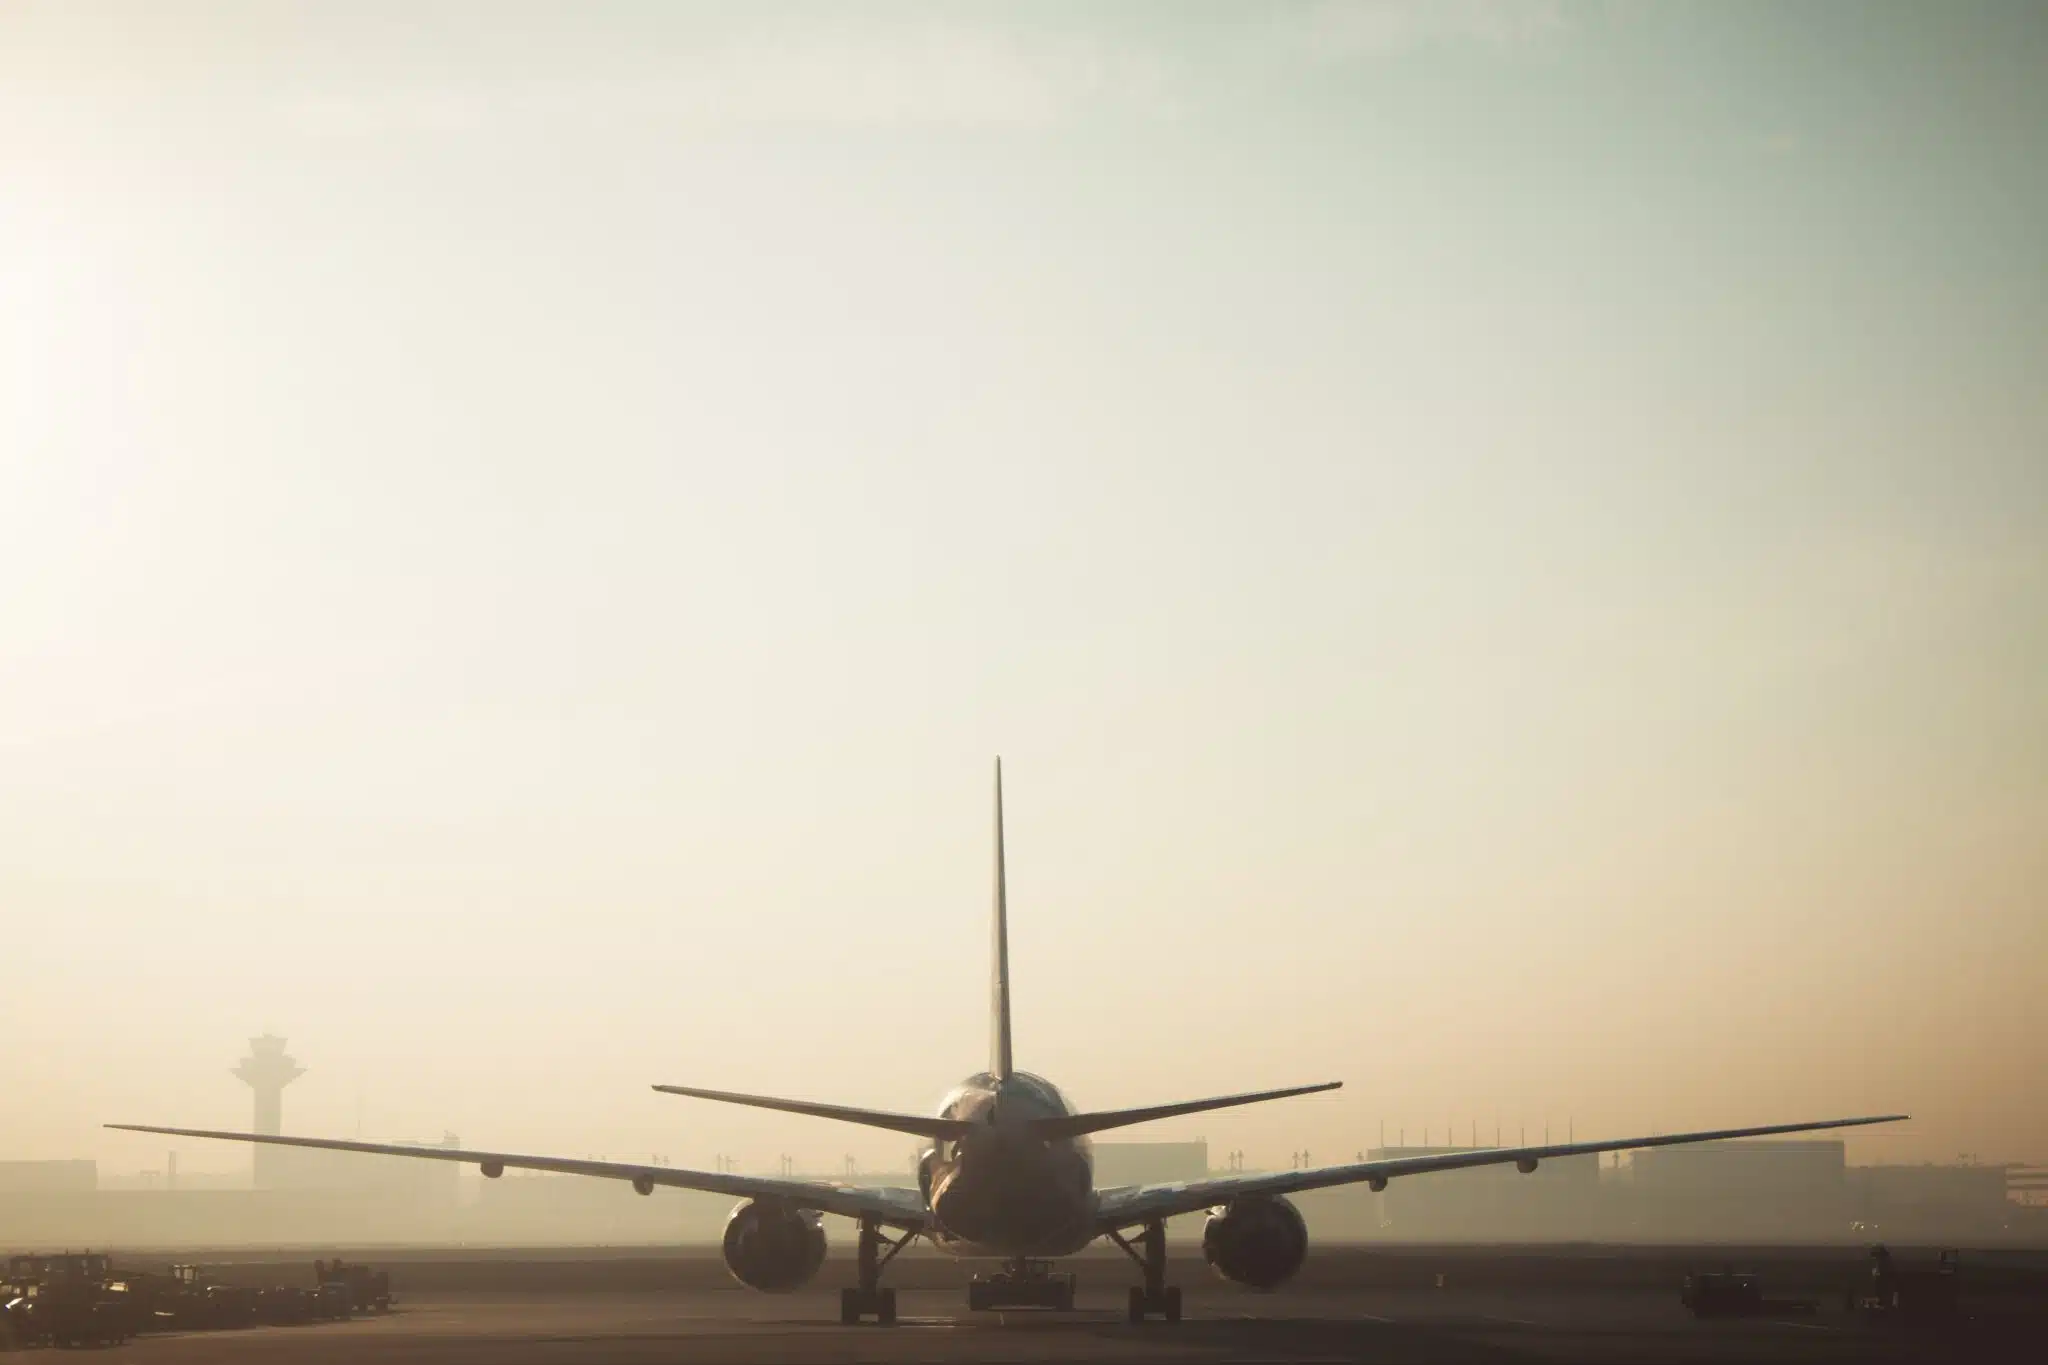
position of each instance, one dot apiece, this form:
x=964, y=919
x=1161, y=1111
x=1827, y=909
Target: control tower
x=267, y=1071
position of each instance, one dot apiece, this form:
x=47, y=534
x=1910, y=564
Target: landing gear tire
x=1155, y=1297
x=855, y=1304
x=868, y=1298
x=1165, y=1304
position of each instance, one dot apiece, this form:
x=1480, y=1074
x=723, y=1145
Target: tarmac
x=531, y=1313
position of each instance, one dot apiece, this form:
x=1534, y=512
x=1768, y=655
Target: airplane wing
x=891, y=1205
x=1124, y=1206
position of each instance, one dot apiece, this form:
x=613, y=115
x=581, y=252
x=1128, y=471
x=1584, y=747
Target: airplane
x=1009, y=1175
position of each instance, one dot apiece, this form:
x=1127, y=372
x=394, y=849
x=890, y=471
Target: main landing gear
x=1022, y=1284
x=869, y=1299
x=1155, y=1297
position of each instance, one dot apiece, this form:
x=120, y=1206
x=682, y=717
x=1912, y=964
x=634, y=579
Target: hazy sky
x=1504, y=546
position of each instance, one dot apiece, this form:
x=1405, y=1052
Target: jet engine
x=772, y=1247
x=1259, y=1241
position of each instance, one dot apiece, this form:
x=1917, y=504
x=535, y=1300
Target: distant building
x=1560, y=1199
x=527, y=1209
x=49, y=1177
x=432, y=1183
x=1931, y=1201
x=1739, y=1191
x=1149, y=1163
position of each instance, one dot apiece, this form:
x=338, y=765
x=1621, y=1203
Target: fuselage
x=1001, y=1190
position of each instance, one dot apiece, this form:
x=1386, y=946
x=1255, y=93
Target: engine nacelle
x=772, y=1247
x=1259, y=1241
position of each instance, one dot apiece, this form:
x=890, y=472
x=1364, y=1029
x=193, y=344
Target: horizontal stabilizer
x=1074, y=1125
x=872, y=1118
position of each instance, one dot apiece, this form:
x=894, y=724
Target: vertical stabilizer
x=999, y=978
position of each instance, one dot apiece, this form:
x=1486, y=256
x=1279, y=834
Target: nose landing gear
x=1155, y=1298
x=868, y=1298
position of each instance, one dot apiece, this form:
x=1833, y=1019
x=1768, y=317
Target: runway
x=705, y=1324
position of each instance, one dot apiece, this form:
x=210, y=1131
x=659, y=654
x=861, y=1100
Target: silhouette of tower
x=267, y=1071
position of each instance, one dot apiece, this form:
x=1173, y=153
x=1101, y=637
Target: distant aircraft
x=1009, y=1174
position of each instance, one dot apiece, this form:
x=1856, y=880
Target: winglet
x=999, y=979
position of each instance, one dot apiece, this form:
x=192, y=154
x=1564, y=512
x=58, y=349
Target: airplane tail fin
x=999, y=1062
x=1074, y=1125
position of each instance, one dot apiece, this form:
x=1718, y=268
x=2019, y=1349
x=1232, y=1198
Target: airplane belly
x=962, y=1249
x=1004, y=1199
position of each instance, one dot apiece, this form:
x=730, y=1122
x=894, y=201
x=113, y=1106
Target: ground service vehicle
x=1921, y=1294
x=1734, y=1294
x=198, y=1304
x=369, y=1290
x=73, y=1306
x=286, y=1305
